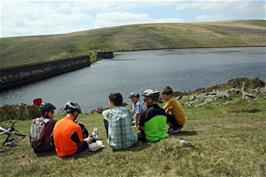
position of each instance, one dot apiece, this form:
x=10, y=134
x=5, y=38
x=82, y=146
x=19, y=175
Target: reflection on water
x=183, y=69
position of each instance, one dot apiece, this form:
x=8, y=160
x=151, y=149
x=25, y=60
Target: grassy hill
x=22, y=50
x=228, y=140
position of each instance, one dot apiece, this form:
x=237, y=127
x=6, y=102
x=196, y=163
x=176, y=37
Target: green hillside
x=229, y=141
x=22, y=50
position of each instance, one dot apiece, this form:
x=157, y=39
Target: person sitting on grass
x=68, y=136
x=175, y=113
x=137, y=107
x=117, y=122
x=152, y=124
x=41, y=130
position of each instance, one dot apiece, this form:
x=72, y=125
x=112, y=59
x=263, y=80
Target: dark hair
x=167, y=91
x=116, y=98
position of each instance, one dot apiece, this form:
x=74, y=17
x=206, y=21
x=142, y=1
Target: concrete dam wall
x=20, y=75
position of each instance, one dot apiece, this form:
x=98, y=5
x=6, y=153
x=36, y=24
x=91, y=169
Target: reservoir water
x=182, y=69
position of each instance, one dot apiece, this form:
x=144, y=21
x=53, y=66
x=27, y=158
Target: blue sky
x=23, y=18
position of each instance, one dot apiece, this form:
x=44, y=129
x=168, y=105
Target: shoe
x=172, y=130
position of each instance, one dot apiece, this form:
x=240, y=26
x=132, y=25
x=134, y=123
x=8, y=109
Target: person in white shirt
x=137, y=107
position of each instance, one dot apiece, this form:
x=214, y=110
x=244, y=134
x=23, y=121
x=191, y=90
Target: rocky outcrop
x=236, y=83
x=248, y=89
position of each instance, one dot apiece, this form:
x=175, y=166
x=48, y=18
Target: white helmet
x=71, y=107
x=149, y=93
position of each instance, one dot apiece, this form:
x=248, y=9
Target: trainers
x=172, y=130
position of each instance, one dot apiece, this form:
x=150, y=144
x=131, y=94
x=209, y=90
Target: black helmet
x=46, y=107
x=149, y=93
x=71, y=107
x=133, y=94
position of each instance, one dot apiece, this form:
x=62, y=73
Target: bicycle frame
x=10, y=131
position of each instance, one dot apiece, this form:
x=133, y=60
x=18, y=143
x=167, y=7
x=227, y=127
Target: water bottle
x=95, y=133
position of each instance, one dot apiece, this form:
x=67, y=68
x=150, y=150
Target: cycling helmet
x=133, y=94
x=46, y=107
x=71, y=107
x=149, y=93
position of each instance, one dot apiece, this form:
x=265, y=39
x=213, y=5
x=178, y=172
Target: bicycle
x=11, y=133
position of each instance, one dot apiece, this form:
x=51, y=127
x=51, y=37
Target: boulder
x=246, y=95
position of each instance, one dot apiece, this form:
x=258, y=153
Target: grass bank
x=227, y=142
x=23, y=50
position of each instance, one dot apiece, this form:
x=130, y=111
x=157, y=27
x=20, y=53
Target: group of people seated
x=146, y=121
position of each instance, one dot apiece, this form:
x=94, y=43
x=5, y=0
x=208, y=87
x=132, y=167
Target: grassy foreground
x=228, y=139
x=23, y=50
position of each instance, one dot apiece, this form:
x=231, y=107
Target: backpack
x=37, y=131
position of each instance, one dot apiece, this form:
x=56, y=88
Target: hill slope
x=22, y=50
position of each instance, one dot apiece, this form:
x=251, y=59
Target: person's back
x=174, y=107
x=65, y=131
x=68, y=137
x=41, y=131
x=175, y=113
x=120, y=134
x=153, y=120
x=118, y=124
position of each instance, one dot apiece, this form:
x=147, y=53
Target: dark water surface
x=182, y=69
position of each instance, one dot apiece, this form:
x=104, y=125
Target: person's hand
x=168, y=110
x=88, y=140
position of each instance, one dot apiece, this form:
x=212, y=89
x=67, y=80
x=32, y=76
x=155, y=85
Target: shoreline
x=224, y=47
x=245, y=86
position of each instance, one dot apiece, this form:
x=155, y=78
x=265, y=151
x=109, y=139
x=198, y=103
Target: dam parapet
x=19, y=75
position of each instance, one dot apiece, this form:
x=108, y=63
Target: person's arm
x=106, y=114
x=168, y=107
x=142, y=121
x=82, y=144
x=137, y=112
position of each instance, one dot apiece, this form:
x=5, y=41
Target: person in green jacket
x=153, y=121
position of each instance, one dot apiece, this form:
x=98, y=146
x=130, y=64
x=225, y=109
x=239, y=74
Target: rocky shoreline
x=234, y=89
x=230, y=92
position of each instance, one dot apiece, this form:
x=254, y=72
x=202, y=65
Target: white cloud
x=206, y=18
x=50, y=17
x=167, y=20
x=28, y=18
x=125, y=18
x=183, y=6
x=35, y=18
x=215, y=10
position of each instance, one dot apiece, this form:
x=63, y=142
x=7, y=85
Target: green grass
x=23, y=50
x=228, y=143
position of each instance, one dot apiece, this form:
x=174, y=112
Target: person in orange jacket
x=68, y=137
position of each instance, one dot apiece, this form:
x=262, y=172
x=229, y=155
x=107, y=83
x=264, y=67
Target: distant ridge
x=31, y=49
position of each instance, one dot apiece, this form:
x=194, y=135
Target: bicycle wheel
x=19, y=133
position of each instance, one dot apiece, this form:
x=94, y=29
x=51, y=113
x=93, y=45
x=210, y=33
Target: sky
x=25, y=18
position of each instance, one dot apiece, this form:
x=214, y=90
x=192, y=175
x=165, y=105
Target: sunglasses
x=52, y=112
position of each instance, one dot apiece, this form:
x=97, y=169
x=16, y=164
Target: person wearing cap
x=176, y=117
x=117, y=122
x=137, y=107
x=68, y=137
x=152, y=124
